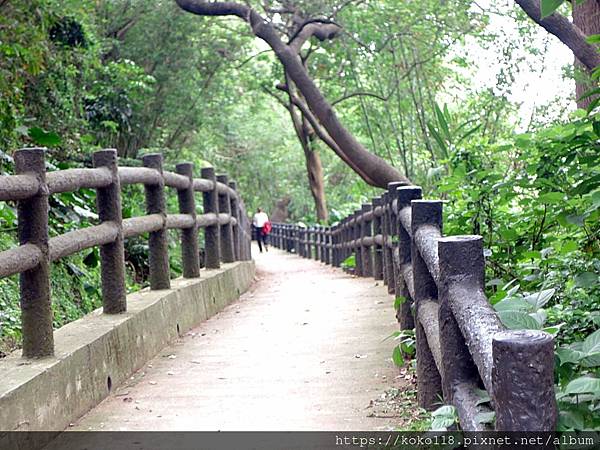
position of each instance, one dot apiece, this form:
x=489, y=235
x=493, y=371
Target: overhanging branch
x=563, y=29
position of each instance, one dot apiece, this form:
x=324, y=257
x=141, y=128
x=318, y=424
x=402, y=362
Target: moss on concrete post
x=227, y=251
x=523, y=380
x=377, y=249
x=212, y=235
x=112, y=255
x=429, y=383
x=404, y=195
x=190, y=253
x=457, y=362
x=160, y=276
x=358, y=269
x=388, y=257
x=34, y=284
x=236, y=229
x=366, y=231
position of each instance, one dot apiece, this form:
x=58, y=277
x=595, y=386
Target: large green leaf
x=397, y=356
x=552, y=197
x=591, y=344
x=586, y=279
x=513, y=304
x=591, y=360
x=583, y=385
x=568, y=355
x=539, y=299
x=486, y=417
x=571, y=420
x=444, y=417
x=549, y=6
x=442, y=122
x=518, y=320
x=43, y=138
x=399, y=301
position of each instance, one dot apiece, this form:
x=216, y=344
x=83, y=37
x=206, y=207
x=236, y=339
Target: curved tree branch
x=322, y=29
x=322, y=133
x=563, y=29
x=373, y=169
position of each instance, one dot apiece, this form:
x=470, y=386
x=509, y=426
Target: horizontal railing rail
x=224, y=220
x=462, y=347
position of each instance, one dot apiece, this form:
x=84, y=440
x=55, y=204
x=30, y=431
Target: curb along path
x=301, y=350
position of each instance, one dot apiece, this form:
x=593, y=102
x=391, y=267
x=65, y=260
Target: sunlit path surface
x=302, y=350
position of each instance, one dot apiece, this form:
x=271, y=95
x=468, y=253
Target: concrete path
x=302, y=350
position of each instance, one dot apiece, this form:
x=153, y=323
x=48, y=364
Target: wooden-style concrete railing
x=462, y=347
x=226, y=229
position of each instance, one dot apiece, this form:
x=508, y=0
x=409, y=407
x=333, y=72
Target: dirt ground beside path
x=303, y=349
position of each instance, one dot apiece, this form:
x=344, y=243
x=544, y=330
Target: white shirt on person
x=259, y=220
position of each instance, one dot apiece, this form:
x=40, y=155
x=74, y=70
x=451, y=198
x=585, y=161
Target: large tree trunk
x=370, y=167
x=586, y=17
x=314, y=168
x=314, y=171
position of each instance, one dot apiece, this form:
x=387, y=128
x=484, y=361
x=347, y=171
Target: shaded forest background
x=141, y=76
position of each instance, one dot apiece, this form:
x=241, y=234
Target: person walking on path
x=261, y=224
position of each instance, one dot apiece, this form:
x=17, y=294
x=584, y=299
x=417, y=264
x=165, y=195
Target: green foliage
x=349, y=262
x=406, y=348
x=443, y=418
x=549, y=6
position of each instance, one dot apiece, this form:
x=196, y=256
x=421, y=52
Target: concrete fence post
x=393, y=232
x=227, y=249
x=523, y=381
x=304, y=245
x=329, y=245
x=327, y=250
x=358, y=271
x=365, y=231
x=318, y=242
x=460, y=258
x=324, y=244
x=309, y=242
x=347, y=237
x=212, y=233
x=333, y=236
x=190, y=253
x=429, y=383
x=388, y=260
x=34, y=284
x=280, y=238
x=348, y=250
x=404, y=195
x=236, y=229
x=160, y=277
x=377, y=249
x=315, y=242
x=112, y=255
x=286, y=237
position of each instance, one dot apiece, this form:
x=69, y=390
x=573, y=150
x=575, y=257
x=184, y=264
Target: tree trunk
x=586, y=16
x=314, y=170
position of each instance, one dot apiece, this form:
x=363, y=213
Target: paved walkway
x=302, y=350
